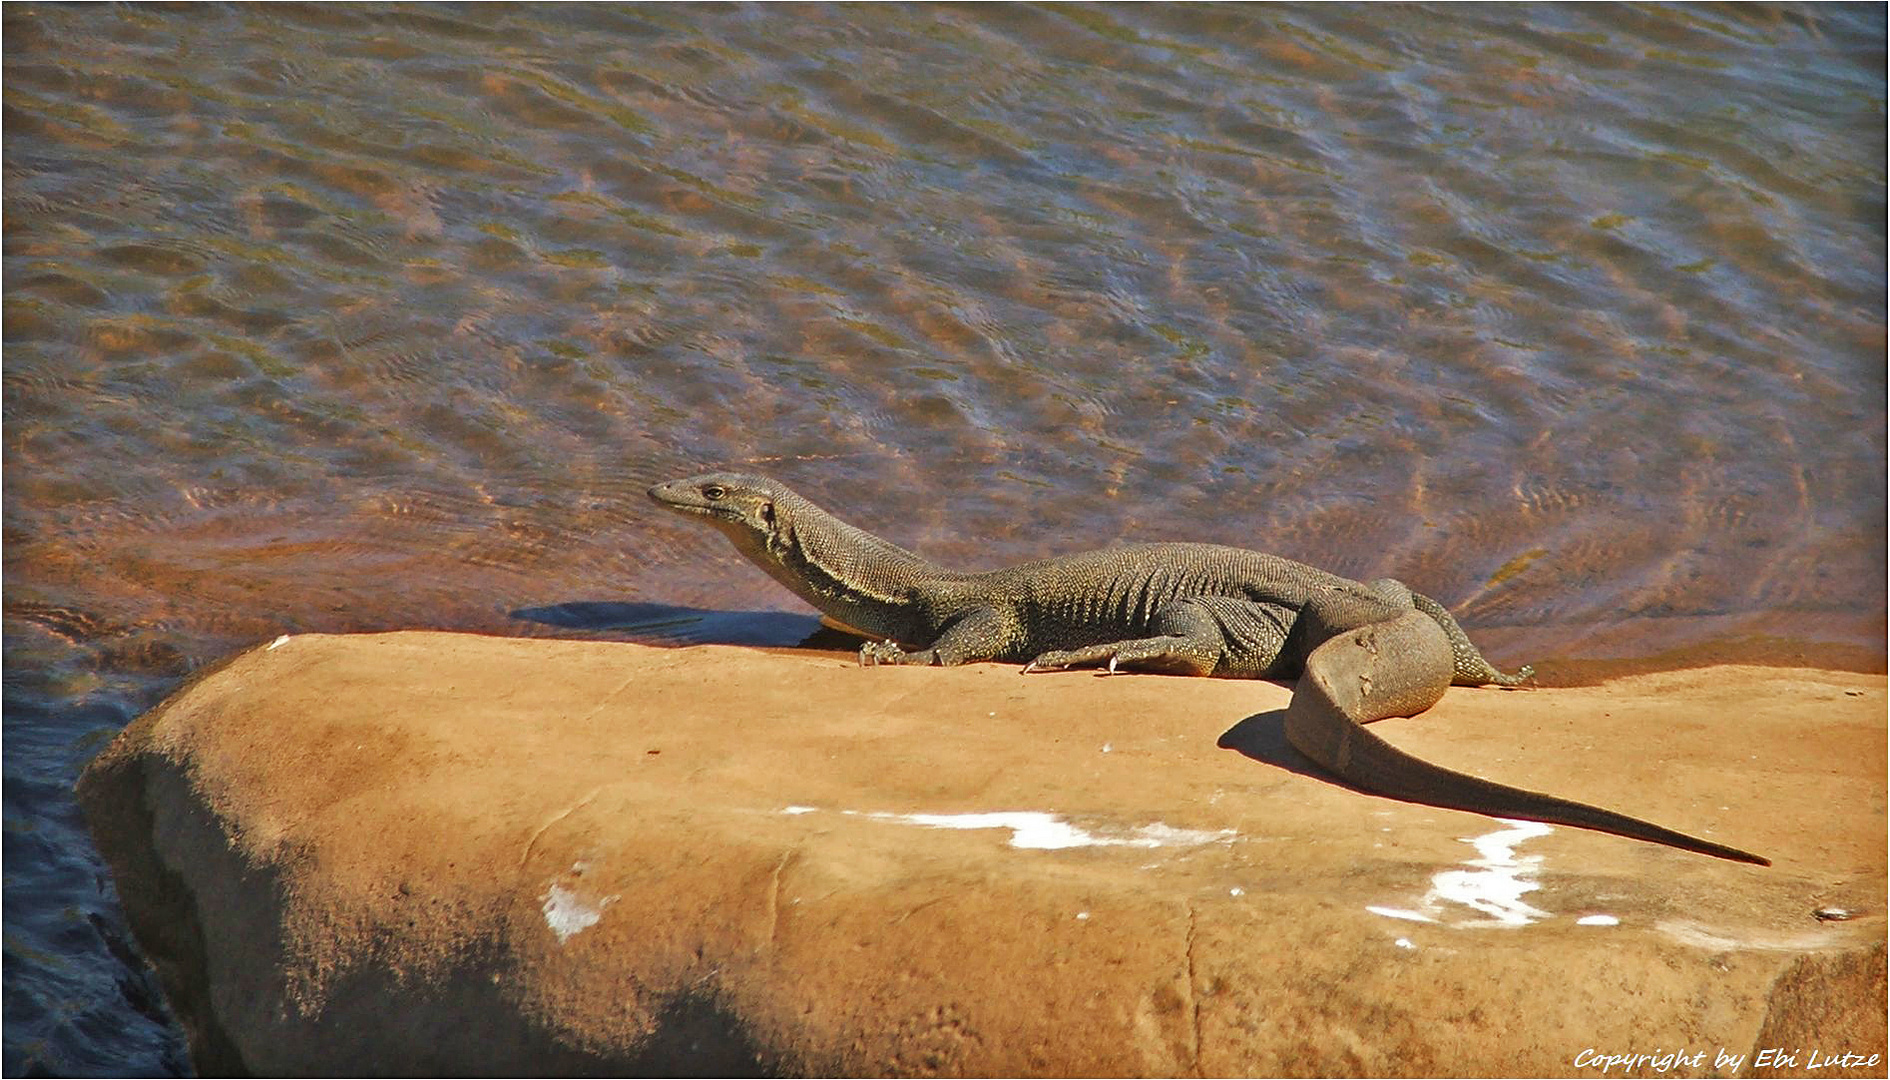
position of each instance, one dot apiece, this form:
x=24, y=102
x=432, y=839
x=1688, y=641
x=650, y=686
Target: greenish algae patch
x=1515, y=566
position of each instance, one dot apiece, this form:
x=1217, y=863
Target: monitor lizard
x=1360, y=651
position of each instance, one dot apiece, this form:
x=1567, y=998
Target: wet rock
x=431, y=853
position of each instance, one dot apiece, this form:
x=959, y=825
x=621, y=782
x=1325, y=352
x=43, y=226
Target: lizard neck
x=869, y=585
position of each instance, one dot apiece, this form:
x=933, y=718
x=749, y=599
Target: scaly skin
x=1360, y=651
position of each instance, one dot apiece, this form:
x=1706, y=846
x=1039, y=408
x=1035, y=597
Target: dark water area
x=358, y=318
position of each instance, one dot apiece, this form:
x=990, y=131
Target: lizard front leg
x=979, y=634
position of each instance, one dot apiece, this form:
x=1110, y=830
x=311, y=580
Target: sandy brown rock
x=423, y=852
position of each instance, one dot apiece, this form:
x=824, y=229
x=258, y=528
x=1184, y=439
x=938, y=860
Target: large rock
x=433, y=853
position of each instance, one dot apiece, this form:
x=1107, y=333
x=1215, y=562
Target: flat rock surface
x=427, y=852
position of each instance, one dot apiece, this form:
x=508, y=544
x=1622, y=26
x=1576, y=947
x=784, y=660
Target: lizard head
x=732, y=502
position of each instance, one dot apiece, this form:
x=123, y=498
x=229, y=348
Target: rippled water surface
x=352, y=318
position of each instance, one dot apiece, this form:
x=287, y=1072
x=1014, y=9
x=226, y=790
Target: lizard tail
x=1399, y=668
x=1468, y=667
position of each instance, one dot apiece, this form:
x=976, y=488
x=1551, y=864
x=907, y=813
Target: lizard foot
x=873, y=653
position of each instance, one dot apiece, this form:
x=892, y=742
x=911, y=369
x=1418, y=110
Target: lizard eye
x=714, y=492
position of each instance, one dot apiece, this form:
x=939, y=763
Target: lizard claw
x=1112, y=663
x=1028, y=668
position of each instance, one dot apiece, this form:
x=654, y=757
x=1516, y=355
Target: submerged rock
x=433, y=853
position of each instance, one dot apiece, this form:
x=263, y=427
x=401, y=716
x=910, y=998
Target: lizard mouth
x=683, y=498
x=677, y=497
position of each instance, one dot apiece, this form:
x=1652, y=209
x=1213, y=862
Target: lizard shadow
x=1262, y=737
x=676, y=624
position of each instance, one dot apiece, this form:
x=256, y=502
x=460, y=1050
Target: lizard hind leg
x=1199, y=635
x=1168, y=654
x=1187, y=641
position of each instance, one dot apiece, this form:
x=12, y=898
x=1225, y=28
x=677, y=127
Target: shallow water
x=360, y=318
